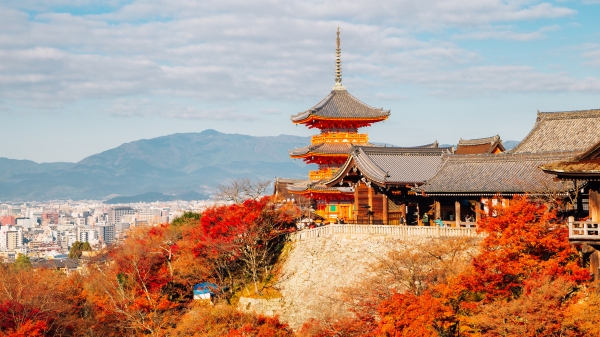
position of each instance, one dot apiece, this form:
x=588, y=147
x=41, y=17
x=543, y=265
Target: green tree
x=78, y=248
x=185, y=218
x=22, y=262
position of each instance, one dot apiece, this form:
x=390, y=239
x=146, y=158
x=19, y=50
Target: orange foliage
x=525, y=240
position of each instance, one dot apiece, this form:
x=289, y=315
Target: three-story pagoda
x=338, y=116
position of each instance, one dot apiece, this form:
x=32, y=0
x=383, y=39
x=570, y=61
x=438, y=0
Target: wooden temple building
x=490, y=145
x=466, y=183
x=338, y=117
x=365, y=183
x=584, y=172
x=381, y=179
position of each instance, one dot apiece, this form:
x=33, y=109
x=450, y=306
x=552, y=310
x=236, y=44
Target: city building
x=116, y=213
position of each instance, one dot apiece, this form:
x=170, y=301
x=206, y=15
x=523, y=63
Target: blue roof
x=205, y=288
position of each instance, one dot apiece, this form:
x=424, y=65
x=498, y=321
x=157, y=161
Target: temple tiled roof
x=394, y=165
x=316, y=185
x=280, y=187
x=479, y=146
x=587, y=163
x=496, y=173
x=586, y=166
x=340, y=104
x=562, y=131
x=325, y=148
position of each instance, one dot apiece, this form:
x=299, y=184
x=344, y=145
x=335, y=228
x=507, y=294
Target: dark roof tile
x=340, y=104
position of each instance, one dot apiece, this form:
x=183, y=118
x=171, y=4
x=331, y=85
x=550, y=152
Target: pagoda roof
x=326, y=149
x=316, y=185
x=339, y=104
x=562, y=131
x=393, y=165
x=489, y=174
x=479, y=146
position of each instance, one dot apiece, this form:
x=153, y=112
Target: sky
x=78, y=77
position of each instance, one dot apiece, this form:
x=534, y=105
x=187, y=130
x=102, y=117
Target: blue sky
x=79, y=76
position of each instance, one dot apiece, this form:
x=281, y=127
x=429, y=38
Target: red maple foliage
x=525, y=240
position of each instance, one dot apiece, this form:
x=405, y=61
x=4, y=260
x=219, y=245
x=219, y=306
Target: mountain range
x=182, y=165
x=172, y=165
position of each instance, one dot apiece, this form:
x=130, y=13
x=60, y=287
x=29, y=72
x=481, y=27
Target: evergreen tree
x=22, y=262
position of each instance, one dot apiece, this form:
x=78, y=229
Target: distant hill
x=155, y=196
x=168, y=166
x=171, y=165
x=510, y=144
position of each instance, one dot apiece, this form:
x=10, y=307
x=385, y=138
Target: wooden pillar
x=370, y=202
x=594, y=264
x=457, y=213
x=438, y=212
x=477, y=211
x=579, y=205
x=594, y=204
x=385, y=208
x=403, y=210
x=356, y=205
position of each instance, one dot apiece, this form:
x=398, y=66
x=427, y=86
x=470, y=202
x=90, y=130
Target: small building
x=205, y=291
x=489, y=145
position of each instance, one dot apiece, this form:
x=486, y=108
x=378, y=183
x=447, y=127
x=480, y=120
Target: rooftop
x=480, y=146
x=393, y=165
x=488, y=174
x=562, y=131
x=339, y=104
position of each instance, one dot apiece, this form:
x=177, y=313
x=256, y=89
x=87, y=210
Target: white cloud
x=271, y=111
x=228, y=50
x=593, y=58
x=508, y=34
x=149, y=108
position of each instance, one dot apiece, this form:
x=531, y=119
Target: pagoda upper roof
x=339, y=104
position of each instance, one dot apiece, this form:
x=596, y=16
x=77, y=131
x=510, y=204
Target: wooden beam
x=594, y=203
x=457, y=213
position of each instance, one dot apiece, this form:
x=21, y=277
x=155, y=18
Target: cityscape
x=47, y=231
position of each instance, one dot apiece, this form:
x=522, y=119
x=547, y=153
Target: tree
x=185, y=218
x=22, y=262
x=240, y=190
x=129, y=294
x=542, y=310
x=251, y=231
x=77, y=248
x=525, y=240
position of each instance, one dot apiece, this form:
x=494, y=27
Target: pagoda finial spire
x=338, y=64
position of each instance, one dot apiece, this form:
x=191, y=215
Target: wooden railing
x=416, y=231
x=322, y=174
x=583, y=230
x=340, y=137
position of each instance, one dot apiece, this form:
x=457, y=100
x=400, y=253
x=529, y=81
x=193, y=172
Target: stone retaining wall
x=316, y=269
